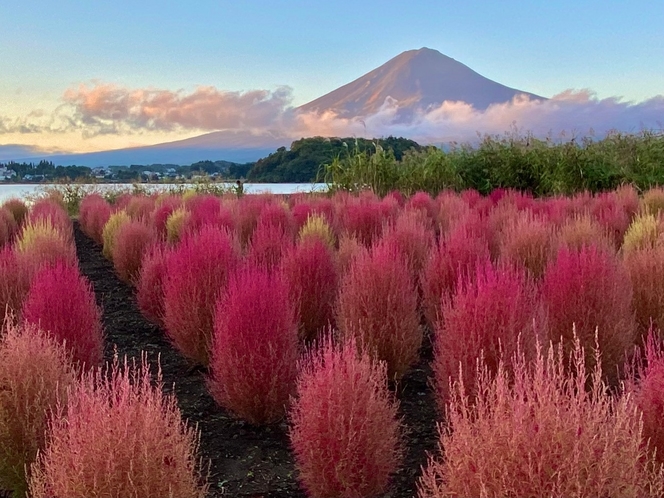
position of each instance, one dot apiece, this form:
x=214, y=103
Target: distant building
x=6, y=174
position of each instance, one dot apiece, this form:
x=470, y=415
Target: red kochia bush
x=35, y=372
x=268, y=244
x=253, y=362
x=312, y=276
x=198, y=270
x=363, y=219
x=412, y=233
x=378, y=306
x=162, y=211
x=491, y=311
x=62, y=303
x=590, y=290
x=345, y=429
x=150, y=285
x=131, y=241
x=119, y=436
x=94, y=212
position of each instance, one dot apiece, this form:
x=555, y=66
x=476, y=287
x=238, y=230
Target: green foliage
x=302, y=163
x=542, y=167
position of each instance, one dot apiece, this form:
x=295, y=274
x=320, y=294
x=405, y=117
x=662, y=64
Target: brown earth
x=245, y=461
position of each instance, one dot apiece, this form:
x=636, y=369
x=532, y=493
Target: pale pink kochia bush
x=198, y=269
x=609, y=210
x=494, y=313
x=457, y=254
x=590, y=289
x=646, y=272
x=312, y=276
x=528, y=242
x=582, y=231
x=119, y=436
x=15, y=281
x=35, y=372
x=413, y=235
x=345, y=430
x=140, y=208
x=94, y=212
x=253, y=362
x=377, y=305
x=131, y=241
x=537, y=430
x=247, y=210
x=8, y=227
x=150, y=285
x=349, y=248
x=61, y=302
x=451, y=208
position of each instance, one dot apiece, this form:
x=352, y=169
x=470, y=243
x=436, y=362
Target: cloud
x=99, y=108
x=107, y=108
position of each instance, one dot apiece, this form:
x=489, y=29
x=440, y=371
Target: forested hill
x=303, y=161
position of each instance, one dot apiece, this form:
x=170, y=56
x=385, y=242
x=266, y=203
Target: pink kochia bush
x=492, y=311
x=61, y=302
x=254, y=350
x=14, y=285
x=312, y=276
x=198, y=269
x=35, y=372
x=538, y=430
x=94, y=212
x=131, y=241
x=377, y=306
x=589, y=290
x=457, y=254
x=150, y=285
x=268, y=244
x=119, y=436
x=345, y=430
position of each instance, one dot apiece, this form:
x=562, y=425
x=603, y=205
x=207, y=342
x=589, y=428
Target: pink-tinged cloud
x=107, y=108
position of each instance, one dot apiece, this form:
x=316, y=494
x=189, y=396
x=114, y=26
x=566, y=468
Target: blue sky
x=614, y=48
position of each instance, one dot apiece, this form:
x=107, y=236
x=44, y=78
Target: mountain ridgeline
x=304, y=161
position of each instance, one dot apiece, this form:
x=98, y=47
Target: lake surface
x=21, y=191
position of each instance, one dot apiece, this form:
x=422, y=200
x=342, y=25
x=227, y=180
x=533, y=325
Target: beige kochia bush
x=35, y=372
x=119, y=436
x=345, y=430
x=541, y=432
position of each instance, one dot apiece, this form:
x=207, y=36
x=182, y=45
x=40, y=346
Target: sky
x=80, y=76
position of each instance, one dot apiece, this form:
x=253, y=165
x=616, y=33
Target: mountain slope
x=418, y=79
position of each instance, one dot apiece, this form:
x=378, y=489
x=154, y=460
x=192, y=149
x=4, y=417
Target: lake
x=9, y=190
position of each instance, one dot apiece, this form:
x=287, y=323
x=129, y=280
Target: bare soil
x=245, y=461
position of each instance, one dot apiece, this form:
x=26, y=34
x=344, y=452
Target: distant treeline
x=541, y=167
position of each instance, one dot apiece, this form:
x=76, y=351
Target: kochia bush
x=15, y=281
x=312, y=276
x=538, y=430
x=61, y=302
x=377, y=306
x=8, y=227
x=111, y=228
x=94, y=212
x=253, y=361
x=492, y=312
x=35, y=373
x=343, y=405
x=590, y=290
x=646, y=272
x=17, y=208
x=131, y=241
x=150, y=284
x=198, y=269
x=118, y=435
